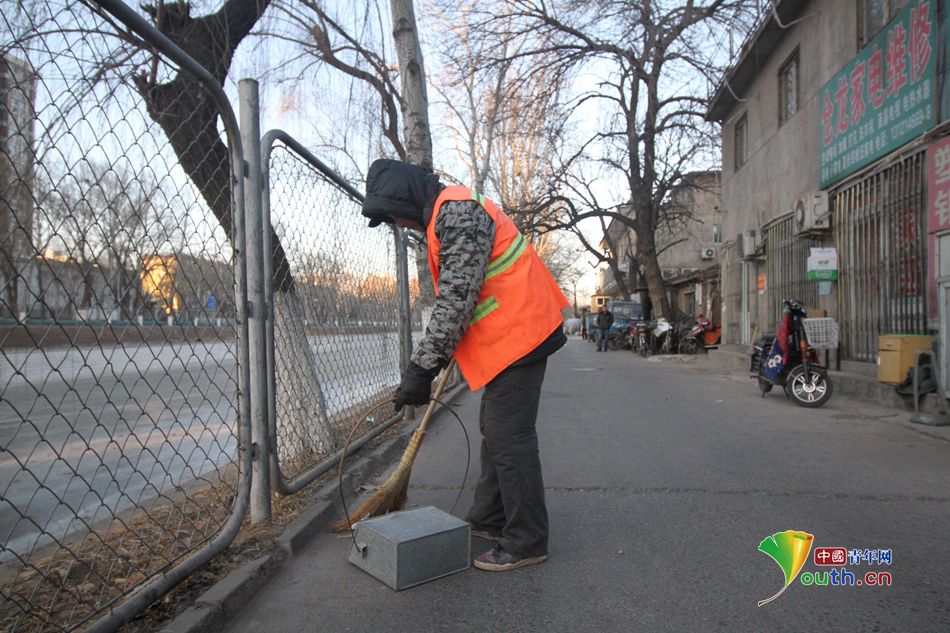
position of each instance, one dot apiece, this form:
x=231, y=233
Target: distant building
x=597, y=301
x=187, y=287
x=17, y=159
x=56, y=286
x=688, y=245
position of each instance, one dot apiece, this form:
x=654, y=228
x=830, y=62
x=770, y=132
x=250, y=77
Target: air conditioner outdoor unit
x=707, y=253
x=669, y=273
x=812, y=213
x=748, y=245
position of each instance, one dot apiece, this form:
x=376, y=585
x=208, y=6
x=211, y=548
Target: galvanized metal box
x=407, y=548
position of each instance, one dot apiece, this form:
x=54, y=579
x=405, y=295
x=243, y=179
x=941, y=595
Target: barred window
x=788, y=88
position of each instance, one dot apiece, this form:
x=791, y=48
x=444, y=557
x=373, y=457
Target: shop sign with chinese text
x=822, y=264
x=938, y=220
x=883, y=97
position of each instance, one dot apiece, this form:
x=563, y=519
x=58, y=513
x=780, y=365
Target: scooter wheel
x=765, y=386
x=813, y=392
x=689, y=346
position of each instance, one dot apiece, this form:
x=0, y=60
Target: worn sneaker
x=498, y=559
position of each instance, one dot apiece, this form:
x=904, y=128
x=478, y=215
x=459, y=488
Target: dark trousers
x=509, y=496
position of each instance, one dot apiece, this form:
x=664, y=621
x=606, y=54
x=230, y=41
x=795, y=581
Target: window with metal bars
x=873, y=15
x=788, y=88
x=880, y=236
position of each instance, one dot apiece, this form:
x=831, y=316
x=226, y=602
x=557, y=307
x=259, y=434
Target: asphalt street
x=88, y=433
x=662, y=478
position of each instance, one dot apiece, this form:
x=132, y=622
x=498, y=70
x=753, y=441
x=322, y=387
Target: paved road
x=661, y=481
x=86, y=433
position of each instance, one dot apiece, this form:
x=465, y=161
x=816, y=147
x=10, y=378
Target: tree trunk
x=187, y=114
x=303, y=427
x=412, y=76
x=646, y=254
x=415, y=112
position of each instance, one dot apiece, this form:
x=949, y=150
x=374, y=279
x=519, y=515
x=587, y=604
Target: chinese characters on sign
x=870, y=556
x=883, y=97
x=938, y=203
x=830, y=556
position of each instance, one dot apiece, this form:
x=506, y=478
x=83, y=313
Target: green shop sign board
x=882, y=98
x=823, y=275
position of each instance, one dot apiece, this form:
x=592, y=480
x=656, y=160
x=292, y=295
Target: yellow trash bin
x=896, y=355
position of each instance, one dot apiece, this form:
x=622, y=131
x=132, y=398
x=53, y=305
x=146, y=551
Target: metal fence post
x=267, y=143
x=404, y=305
x=257, y=313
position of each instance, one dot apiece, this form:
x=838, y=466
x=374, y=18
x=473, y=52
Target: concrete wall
x=703, y=204
x=782, y=163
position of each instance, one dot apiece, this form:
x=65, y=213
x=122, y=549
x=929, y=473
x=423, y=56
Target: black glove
x=416, y=386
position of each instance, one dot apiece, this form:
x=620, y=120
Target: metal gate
x=880, y=235
x=337, y=341
x=786, y=260
x=124, y=448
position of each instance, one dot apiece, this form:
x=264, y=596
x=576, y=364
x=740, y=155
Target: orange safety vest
x=519, y=305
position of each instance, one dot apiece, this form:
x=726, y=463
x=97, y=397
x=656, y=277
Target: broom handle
x=439, y=388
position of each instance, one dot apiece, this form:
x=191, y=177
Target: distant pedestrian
x=605, y=318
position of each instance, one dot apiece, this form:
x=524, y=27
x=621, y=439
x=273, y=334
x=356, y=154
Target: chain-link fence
x=127, y=286
x=120, y=343
x=336, y=341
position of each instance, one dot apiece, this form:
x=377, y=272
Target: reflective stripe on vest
x=506, y=259
x=483, y=309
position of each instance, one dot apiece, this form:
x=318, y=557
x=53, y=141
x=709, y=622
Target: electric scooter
x=786, y=359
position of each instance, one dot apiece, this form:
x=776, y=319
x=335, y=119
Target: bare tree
x=508, y=121
x=335, y=40
x=651, y=55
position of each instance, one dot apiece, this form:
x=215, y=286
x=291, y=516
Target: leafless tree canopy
x=647, y=61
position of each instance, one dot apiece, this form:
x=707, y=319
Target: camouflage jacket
x=466, y=234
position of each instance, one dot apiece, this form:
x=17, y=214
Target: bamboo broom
x=392, y=494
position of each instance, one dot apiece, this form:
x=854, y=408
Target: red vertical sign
x=938, y=206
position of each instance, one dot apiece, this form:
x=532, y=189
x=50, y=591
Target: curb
x=218, y=604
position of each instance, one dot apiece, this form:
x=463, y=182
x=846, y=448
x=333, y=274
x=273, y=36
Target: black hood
x=395, y=189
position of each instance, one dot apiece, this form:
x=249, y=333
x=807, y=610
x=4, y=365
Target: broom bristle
x=392, y=494
x=389, y=497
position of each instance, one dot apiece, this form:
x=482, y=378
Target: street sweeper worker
x=498, y=312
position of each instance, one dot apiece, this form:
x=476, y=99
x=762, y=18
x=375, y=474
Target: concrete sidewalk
x=662, y=478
